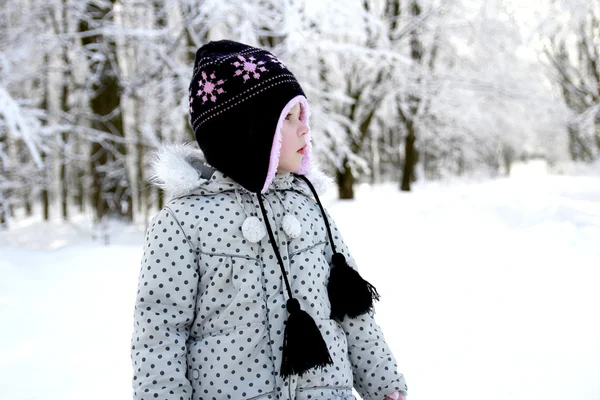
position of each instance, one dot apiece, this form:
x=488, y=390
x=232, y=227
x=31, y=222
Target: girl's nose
x=302, y=129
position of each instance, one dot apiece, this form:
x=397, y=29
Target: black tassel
x=303, y=344
x=349, y=293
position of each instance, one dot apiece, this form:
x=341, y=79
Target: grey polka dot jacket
x=211, y=304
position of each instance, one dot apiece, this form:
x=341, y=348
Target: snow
x=534, y=167
x=22, y=123
x=490, y=291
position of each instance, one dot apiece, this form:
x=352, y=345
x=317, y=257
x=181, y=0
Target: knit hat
x=238, y=98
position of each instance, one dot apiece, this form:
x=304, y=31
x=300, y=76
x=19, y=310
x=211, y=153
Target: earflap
x=277, y=141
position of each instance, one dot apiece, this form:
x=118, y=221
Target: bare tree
x=573, y=53
x=110, y=183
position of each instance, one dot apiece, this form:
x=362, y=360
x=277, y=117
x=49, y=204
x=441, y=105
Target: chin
x=288, y=166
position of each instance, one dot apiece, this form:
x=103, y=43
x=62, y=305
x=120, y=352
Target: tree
x=572, y=51
x=399, y=90
x=110, y=182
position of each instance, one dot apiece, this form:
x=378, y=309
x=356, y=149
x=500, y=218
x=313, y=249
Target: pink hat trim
x=276, y=147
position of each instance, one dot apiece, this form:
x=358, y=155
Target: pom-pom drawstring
x=303, y=344
x=349, y=294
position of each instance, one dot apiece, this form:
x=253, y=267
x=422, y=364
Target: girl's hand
x=395, y=396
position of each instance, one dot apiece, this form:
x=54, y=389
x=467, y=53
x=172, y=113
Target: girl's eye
x=288, y=116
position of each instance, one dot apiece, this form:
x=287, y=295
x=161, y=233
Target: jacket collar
x=180, y=169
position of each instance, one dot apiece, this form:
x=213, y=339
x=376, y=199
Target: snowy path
x=490, y=291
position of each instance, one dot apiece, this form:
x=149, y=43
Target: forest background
x=401, y=90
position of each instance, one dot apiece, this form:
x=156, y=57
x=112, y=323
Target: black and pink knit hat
x=238, y=98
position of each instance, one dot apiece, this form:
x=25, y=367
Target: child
x=247, y=290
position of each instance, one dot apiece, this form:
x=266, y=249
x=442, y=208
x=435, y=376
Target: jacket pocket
x=235, y=364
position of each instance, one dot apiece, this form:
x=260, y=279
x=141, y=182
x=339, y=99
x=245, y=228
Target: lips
x=301, y=151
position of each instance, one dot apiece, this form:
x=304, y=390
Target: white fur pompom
x=253, y=229
x=291, y=226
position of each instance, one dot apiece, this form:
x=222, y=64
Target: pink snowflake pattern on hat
x=190, y=102
x=208, y=88
x=249, y=68
x=276, y=60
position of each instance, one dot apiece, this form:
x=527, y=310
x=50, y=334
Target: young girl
x=247, y=290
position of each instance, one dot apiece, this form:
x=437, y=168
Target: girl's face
x=293, y=141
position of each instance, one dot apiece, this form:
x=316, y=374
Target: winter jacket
x=211, y=305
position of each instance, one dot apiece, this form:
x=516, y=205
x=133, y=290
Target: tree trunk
x=46, y=202
x=64, y=184
x=3, y=215
x=4, y=193
x=4, y=208
x=28, y=204
x=410, y=153
x=79, y=176
x=106, y=195
x=161, y=198
x=45, y=196
x=345, y=181
x=409, y=162
x=139, y=169
x=375, y=161
x=64, y=105
x=80, y=197
x=64, y=192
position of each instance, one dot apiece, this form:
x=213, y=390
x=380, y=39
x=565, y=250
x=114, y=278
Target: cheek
x=285, y=141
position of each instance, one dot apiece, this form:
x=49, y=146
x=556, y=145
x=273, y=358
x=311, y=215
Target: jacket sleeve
x=164, y=311
x=373, y=364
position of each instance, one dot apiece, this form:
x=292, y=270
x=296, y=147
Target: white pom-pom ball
x=291, y=226
x=253, y=229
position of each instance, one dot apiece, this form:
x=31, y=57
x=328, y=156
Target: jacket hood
x=181, y=169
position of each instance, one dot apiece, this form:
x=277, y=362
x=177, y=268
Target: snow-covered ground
x=491, y=291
